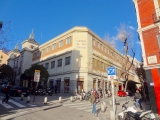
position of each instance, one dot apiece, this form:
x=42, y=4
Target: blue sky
x=49, y=18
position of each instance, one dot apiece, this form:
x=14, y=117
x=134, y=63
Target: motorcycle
x=87, y=95
x=125, y=109
x=144, y=115
x=49, y=91
x=40, y=92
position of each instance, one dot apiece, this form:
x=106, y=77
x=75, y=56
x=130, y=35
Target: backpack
x=92, y=98
x=137, y=96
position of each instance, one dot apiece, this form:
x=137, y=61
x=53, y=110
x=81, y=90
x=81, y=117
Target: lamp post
x=1, y=24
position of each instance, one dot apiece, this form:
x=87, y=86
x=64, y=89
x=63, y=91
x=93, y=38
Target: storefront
x=66, y=85
x=80, y=82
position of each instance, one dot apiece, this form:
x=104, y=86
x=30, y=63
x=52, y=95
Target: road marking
x=32, y=105
x=6, y=106
x=85, y=106
x=13, y=115
x=17, y=104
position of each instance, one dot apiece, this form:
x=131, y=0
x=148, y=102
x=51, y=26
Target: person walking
x=138, y=99
x=7, y=95
x=93, y=100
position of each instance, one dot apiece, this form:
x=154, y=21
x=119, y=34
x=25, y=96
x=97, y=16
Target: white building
x=22, y=60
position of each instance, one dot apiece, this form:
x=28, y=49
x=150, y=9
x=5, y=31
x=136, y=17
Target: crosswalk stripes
x=84, y=105
x=5, y=105
x=12, y=104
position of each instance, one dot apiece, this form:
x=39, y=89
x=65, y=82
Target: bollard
x=71, y=99
x=112, y=116
x=104, y=103
x=102, y=108
x=28, y=99
x=110, y=102
x=45, y=100
x=22, y=97
x=60, y=99
x=80, y=97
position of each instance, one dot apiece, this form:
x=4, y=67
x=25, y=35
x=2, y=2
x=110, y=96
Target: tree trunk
x=126, y=85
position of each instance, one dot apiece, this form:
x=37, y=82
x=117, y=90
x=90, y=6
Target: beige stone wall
x=3, y=57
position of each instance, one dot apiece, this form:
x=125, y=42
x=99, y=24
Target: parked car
x=121, y=93
x=18, y=91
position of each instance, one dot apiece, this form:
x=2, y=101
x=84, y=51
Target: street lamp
x=1, y=24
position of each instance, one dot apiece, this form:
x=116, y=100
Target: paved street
x=77, y=110
x=18, y=110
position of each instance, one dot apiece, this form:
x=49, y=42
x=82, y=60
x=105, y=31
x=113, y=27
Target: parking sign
x=111, y=72
x=36, y=75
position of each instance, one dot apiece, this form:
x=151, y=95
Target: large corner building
x=148, y=19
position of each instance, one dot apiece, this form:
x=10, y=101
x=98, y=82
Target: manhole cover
x=81, y=116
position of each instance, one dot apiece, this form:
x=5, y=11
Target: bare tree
x=125, y=36
x=97, y=69
x=5, y=36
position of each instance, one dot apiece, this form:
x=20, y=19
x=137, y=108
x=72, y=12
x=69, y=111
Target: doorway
x=66, y=86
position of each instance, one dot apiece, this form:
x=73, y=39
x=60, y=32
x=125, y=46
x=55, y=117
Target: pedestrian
x=93, y=100
x=138, y=99
x=7, y=95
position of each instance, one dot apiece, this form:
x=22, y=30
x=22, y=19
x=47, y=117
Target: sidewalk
x=121, y=100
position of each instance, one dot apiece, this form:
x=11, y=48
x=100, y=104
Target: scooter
x=126, y=109
x=144, y=115
x=49, y=91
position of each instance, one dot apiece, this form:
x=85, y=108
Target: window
x=93, y=63
x=105, y=49
x=42, y=51
x=1, y=56
x=94, y=43
x=67, y=60
x=48, y=49
x=59, y=62
x=46, y=65
x=68, y=40
x=54, y=46
x=98, y=44
x=34, y=55
x=101, y=47
x=0, y=61
x=52, y=64
x=32, y=47
x=38, y=54
x=60, y=43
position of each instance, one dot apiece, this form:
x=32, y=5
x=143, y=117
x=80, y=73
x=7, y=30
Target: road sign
x=36, y=75
x=111, y=72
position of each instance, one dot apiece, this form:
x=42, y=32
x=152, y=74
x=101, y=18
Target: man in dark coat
x=7, y=95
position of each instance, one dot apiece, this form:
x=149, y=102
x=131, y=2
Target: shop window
x=66, y=86
x=67, y=60
x=52, y=64
x=60, y=63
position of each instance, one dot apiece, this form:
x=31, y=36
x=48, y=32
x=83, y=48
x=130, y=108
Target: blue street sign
x=111, y=71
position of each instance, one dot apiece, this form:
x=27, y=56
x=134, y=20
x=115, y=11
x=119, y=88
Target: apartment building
x=77, y=60
x=22, y=60
x=3, y=57
x=148, y=19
